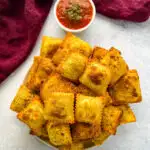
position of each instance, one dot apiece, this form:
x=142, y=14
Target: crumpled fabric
x=20, y=24
x=133, y=10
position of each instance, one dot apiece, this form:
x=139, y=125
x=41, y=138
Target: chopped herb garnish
x=74, y=12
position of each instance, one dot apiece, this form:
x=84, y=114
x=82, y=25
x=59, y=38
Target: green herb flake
x=74, y=12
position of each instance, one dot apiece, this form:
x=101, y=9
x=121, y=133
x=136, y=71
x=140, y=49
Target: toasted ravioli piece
x=73, y=146
x=39, y=73
x=43, y=132
x=59, y=134
x=89, y=109
x=22, y=99
x=33, y=116
x=83, y=131
x=82, y=89
x=71, y=43
x=117, y=65
x=71, y=67
x=49, y=46
x=127, y=89
x=101, y=139
x=60, y=108
x=127, y=114
x=111, y=119
x=96, y=77
x=56, y=83
x=101, y=55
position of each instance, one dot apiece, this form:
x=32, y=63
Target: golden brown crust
x=89, y=109
x=82, y=89
x=71, y=67
x=59, y=108
x=49, y=46
x=40, y=70
x=83, y=131
x=99, y=53
x=111, y=119
x=70, y=44
x=59, y=134
x=56, y=83
x=33, y=116
x=127, y=114
x=117, y=65
x=22, y=99
x=96, y=77
x=127, y=89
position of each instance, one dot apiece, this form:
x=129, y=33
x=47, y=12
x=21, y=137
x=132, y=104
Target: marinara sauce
x=74, y=14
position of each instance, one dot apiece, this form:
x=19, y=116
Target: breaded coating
x=73, y=146
x=127, y=114
x=59, y=108
x=22, y=99
x=82, y=89
x=56, y=83
x=43, y=132
x=117, y=65
x=59, y=134
x=101, y=55
x=111, y=119
x=73, y=66
x=40, y=70
x=127, y=89
x=89, y=109
x=49, y=46
x=96, y=77
x=83, y=131
x=33, y=116
x=70, y=44
x=101, y=139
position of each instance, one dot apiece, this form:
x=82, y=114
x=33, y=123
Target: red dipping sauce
x=74, y=14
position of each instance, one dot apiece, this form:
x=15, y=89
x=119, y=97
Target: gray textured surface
x=134, y=42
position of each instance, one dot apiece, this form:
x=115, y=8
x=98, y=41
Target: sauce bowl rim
x=74, y=30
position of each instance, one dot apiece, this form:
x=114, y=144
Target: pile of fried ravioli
x=75, y=96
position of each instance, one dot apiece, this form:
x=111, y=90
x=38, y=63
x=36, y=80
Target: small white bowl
x=74, y=30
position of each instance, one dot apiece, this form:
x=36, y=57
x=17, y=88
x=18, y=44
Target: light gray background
x=132, y=39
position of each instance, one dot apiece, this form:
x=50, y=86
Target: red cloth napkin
x=133, y=10
x=21, y=21
x=20, y=24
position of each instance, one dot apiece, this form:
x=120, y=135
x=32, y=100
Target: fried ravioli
x=56, y=83
x=22, y=99
x=71, y=67
x=127, y=114
x=40, y=70
x=71, y=43
x=117, y=65
x=111, y=119
x=33, y=116
x=96, y=77
x=59, y=134
x=127, y=89
x=89, y=109
x=59, y=108
x=83, y=131
x=49, y=46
